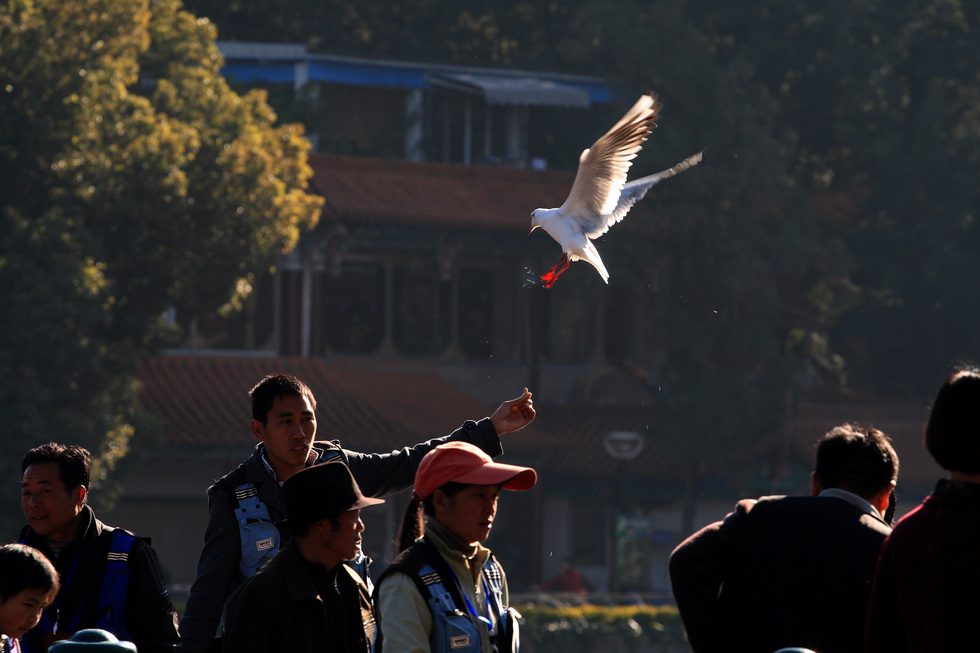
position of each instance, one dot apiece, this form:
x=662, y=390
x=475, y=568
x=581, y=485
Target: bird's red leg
x=551, y=275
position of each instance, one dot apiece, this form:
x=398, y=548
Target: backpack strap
x=453, y=629
x=109, y=612
x=260, y=539
x=424, y=555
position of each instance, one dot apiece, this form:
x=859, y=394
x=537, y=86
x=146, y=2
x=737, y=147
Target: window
x=589, y=532
x=476, y=313
x=355, y=307
x=421, y=309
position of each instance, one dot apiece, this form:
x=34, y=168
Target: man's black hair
x=857, y=459
x=272, y=386
x=74, y=462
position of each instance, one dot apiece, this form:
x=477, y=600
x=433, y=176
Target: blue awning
x=275, y=62
x=515, y=90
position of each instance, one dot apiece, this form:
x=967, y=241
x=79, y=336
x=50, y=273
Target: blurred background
x=193, y=196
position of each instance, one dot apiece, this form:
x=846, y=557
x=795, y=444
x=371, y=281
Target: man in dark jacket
x=284, y=422
x=305, y=600
x=786, y=572
x=110, y=578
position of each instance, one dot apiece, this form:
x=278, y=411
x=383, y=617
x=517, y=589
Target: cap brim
x=509, y=477
x=364, y=502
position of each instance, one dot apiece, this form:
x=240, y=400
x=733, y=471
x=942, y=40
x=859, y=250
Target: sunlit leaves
x=132, y=180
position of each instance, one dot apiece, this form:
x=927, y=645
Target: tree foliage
x=133, y=181
x=878, y=100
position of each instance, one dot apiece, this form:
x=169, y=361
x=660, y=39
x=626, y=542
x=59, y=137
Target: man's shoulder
x=798, y=505
x=248, y=469
x=329, y=450
x=277, y=575
x=775, y=510
x=229, y=481
x=118, y=541
x=779, y=503
x=804, y=512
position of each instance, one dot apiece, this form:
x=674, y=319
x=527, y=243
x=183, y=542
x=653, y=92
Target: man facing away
x=110, y=578
x=244, y=504
x=305, y=600
x=793, y=571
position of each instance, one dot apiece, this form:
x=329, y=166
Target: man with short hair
x=793, y=571
x=305, y=600
x=111, y=578
x=245, y=504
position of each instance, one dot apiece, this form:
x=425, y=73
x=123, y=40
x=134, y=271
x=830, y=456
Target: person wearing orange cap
x=445, y=592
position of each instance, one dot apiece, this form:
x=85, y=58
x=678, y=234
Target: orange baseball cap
x=462, y=462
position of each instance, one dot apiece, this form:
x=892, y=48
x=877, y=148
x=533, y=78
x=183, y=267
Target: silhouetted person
x=926, y=595
x=792, y=571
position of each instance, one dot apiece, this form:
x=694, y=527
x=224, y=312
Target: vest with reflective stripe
x=110, y=611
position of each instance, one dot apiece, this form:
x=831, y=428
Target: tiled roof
x=204, y=405
x=434, y=194
x=376, y=406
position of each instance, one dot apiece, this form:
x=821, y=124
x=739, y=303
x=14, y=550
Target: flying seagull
x=600, y=196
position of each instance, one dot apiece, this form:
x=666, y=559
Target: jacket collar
x=296, y=573
x=858, y=502
x=258, y=469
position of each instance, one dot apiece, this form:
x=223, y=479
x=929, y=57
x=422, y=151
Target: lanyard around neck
x=469, y=605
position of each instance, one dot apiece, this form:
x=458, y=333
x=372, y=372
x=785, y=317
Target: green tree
x=733, y=263
x=132, y=181
x=482, y=32
x=878, y=101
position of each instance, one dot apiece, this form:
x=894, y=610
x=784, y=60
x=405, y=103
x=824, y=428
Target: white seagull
x=600, y=196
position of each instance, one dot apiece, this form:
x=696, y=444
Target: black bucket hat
x=321, y=491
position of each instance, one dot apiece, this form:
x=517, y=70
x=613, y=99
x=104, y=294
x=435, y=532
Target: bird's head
x=535, y=215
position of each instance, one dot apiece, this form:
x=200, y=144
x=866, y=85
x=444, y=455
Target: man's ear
x=258, y=429
x=880, y=500
x=80, y=493
x=816, y=487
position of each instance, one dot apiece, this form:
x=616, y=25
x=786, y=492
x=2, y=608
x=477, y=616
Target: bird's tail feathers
x=687, y=163
x=640, y=186
x=591, y=255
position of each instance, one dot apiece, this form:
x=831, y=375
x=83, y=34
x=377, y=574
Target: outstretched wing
x=602, y=168
x=633, y=192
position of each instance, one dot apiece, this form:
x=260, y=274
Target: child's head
x=28, y=584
